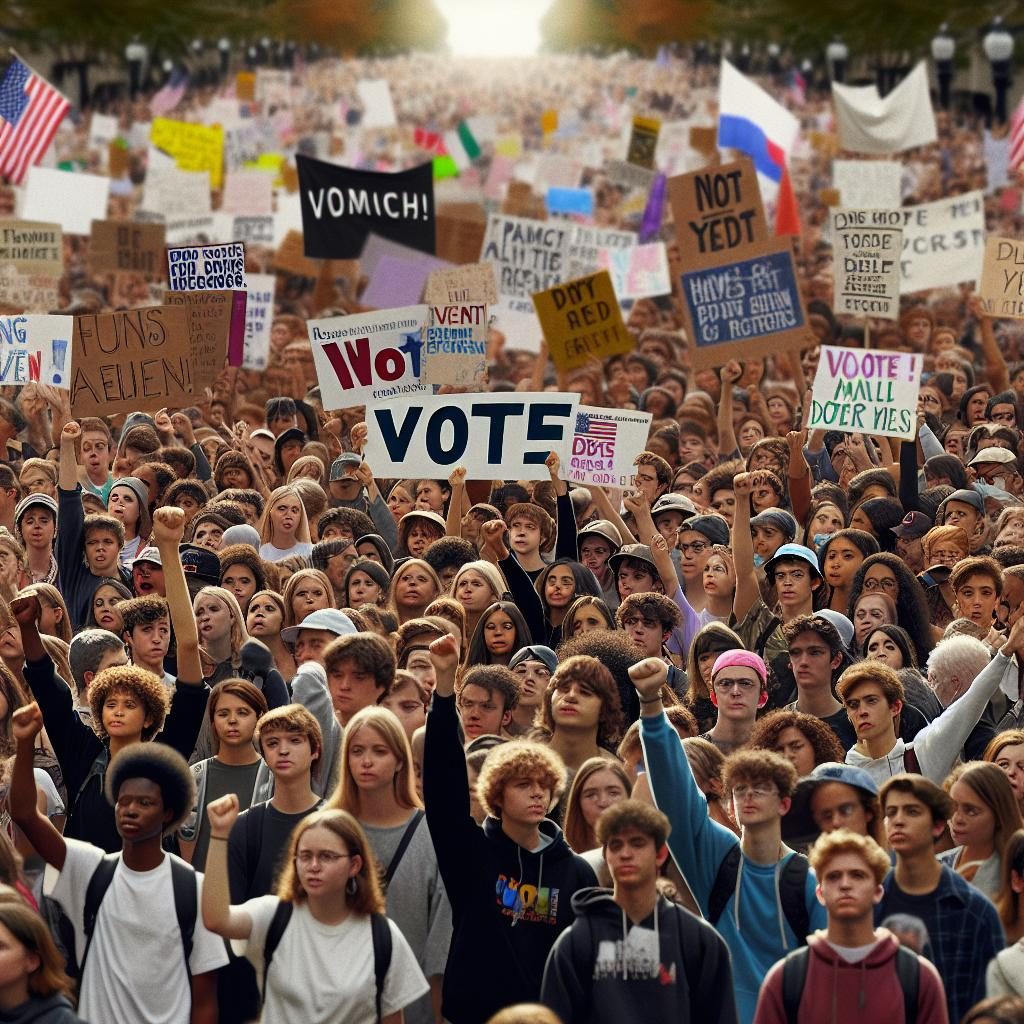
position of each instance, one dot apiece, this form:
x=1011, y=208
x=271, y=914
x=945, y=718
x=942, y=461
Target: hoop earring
x=352, y=886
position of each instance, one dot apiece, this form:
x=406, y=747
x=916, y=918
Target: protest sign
x=136, y=359
x=639, y=272
x=33, y=247
x=36, y=348
x=102, y=130
x=604, y=444
x=200, y=230
x=119, y=160
x=341, y=206
x=871, y=123
x=291, y=259
x=249, y=193
x=582, y=321
x=739, y=287
x=868, y=391
x=943, y=242
x=574, y=202
x=997, y=161
x=529, y=255
x=71, y=200
x=30, y=293
x=395, y=282
x=866, y=246
x=516, y=320
x=209, y=325
x=175, y=193
x=643, y=141
x=460, y=229
x=629, y=176
x=207, y=267
x=585, y=243
x=509, y=145
x=245, y=86
x=369, y=357
x=259, y=314
x=378, y=109
x=194, y=147
x=1002, y=280
x=501, y=436
x=554, y=170
x=377, y=248
x=117, y=246
x=474, y=282
x=868, y=184
x=456, y=346
x=252, y=230
x=273, y=87
x=521, y=201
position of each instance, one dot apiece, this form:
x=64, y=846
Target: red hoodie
x=838, y=992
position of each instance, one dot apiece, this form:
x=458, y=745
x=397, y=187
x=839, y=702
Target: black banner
x=340, y=207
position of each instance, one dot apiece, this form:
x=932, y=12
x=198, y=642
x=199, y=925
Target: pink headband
x=743, y=658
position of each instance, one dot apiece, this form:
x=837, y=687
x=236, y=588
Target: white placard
x=866, y=249
x=604, y=444
x=637, y=273
x=259, y=314
x=378, y=110
x=71, y=200
x=36, y=348
x=868, y=184
x=943, y=242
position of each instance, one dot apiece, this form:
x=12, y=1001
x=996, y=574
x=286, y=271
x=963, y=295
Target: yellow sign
x=194, y=147
x=549, y=121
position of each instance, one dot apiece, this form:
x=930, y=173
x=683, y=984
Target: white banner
x=943, y=242
x=866, y=247
x=259, y=313
x=868, y=184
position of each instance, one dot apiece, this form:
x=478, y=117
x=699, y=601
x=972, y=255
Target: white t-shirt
x=136, y=967
x=324, y=974
x=271, y=554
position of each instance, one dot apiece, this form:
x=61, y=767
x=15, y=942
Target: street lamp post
x=836, y=55
x=998, y=47
x=224, y=49
x=943, y=49
x=135, y=53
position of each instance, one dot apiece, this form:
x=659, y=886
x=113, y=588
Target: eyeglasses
x=326, y=857
x=883, y=584
x=728, y=685
x=757, y=792
x=696, y=547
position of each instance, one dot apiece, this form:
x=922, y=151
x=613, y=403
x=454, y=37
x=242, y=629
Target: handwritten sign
x=868, y=391
x=117, y=246
x=34, y=247
x=585, y=243
x=474, y=282
x=456, y=345
x=207, y=267
x=259, y=312
x=29, y=293
x=36, y=348
x=209, y=325
x=604, y=445
x=943, y=242
x=194, y=147
x=175, y=193
x=868, y=184
x=866, y=246
x=529, y=255
x=252, y=230
x=501, y=436
x=638, y=272
x=138, y=359
x=1002, y=280
x=369, y=357
x=582, y=321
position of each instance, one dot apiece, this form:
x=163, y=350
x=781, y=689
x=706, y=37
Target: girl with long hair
x=129, y=501
x=413, y=587
x=476, y=586
x=34, y=985
x=306, y=591
x=840, y=556
x=598, y=785
x=500, y=633
x=284, y=529
x=221, y=631
x=265, y=620
x=804, y=740
x=377, y=787
x=558, y=585
x=53, y=618
x=1006, y=751
x=103, y=613
x=711, y=640
x=586, y=614
x=330, y=893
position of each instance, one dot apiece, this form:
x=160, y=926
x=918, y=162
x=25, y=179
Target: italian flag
x=462, y=146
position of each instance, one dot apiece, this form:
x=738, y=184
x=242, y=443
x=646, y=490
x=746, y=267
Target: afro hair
x=160, y=764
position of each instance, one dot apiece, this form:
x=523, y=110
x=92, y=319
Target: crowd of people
x=743, y=742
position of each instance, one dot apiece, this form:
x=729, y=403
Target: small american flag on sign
x=30, y=111
x=601, y=428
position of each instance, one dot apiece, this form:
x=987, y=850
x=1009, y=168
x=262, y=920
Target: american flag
x=1017, y=137
x=598, y=427
x=30, y=111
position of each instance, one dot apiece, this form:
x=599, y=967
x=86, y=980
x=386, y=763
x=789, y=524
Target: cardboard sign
x=378, y=109
x=529, y=255
x=290, y=257
x=341, y=206
x=137, y=359
x=704, y=140
x=194, y=147
x=585, y=243
x=604, y=445
x=643, y=142
x=207, y=268
x=252, y=230
x=34, y=247
x=474, y=282
x=71, y=200
x=118, y=246
x=582, y=321
x=1002, y=280
x=28, y=293
x=943, y=242
x=521, y=201
x=36, y=348
x=868, y=391
x=245, y=86
x=259, y=314
x=868, y=184
x=866, y=246
x=456, y=345
x=192, y=231
x=209, y=324
x=501, y=436
x=638, y=272
x=369, y=357
x=460, y=232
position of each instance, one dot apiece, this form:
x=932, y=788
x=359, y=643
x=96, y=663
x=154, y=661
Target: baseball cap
x=968, y=496
x=603, y=528
x=1000, y=455
x=798, y=821
x=674, y=503
x=339, y=464
x=792, y=551
x=912, y=525
x=422, y=513
x=535, y=652
x=844, y=627
x=779, y=518
x=329, y=619
x=149, y=554
x=713, y=526
x=34, y=499
x=641, y=552
x=200, y=562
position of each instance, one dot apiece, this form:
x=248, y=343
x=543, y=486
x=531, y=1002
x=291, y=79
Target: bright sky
x=493, y=28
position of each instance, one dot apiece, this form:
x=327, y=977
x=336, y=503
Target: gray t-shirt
x=222, y=779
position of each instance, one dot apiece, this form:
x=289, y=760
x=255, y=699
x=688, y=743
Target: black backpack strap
x=186, y=905
x=278, y=924
x=793, y=896
x=403, y=845
x=382, y=950
x=725, y=883
x=908, y=970
x=911, y=765
x=98, y=769
x=99, y=883
x=794, y=977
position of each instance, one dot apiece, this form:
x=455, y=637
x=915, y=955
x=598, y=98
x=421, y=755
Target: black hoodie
x=508, y=904
x=670, y=967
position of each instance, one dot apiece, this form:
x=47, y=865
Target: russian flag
x=752, y=122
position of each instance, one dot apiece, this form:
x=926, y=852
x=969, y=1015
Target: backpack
x=97, y=770
x=911, y=765
x=382, y=947
x=794, y=977
x=186, y=900
x=792, y=891
x=403, y=845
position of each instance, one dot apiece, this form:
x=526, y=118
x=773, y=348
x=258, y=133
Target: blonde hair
x=489, y=571
x=403, y=787
x=831, y=844
x=48, y=594
x=266, y=528
x=516, y=760
x=239, y=634
x=301, y=463
x=406, y=567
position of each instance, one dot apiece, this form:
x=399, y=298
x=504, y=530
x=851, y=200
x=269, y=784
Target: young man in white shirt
x=136, y=964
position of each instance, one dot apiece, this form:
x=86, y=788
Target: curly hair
x=148, y=689
x=617, y=653
x=518, y=759
x=753, y=766
x=822, y=739
x=830, y=844
x=654, y=607
x=243, y=554
x=588, y=672
x=160, y=764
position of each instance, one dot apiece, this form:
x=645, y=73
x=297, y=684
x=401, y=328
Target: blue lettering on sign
x=750, y=299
